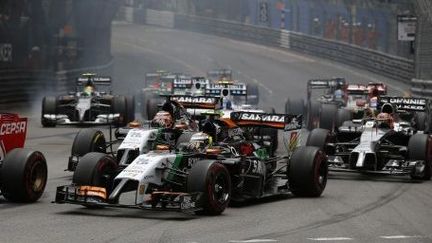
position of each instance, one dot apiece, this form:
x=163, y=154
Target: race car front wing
x=97, y=197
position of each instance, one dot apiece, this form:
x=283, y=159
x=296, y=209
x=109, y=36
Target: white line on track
x=253, y=241
x=330, y=238
x=391, y=237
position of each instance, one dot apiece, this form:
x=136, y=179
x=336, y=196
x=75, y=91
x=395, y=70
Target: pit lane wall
x=392, y=66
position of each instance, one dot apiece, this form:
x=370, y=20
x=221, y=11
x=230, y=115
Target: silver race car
x=87, y=105
x=392, y=143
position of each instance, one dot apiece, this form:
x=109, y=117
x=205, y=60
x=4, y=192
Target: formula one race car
x=330, y=91
x=223, y=78
x=391, y=143
x=158, y=85
x=165, y=128
x=88, y=106
x=197, y=176
x=23, y=172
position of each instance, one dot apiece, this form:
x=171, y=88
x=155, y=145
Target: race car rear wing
x=404, y=103
x=380, y=87
x=220, y=73
x=238, y=89
x=197, y=102
x=189, y=83
x=278, y=121
x=326, y=83
x=98, y=81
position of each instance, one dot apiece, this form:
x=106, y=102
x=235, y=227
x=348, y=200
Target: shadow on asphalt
x=371, y=177
x=133, y=214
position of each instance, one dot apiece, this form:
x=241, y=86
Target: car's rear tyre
x=313, y=114
x=212, y=179
x=420, y=148
x=318, y=137
x=420, y=121
x=119, y=106
x=327, y=118
x=253, y=94
x=294, y=106
x=130, y=104
x=307, y=173
x=342, y=115
x=49, y=106
x=152, y=108
x=24, y=175
x=86, y=141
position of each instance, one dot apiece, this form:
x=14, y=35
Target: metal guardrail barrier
x=393, y=67
x=387, y=65
x=421, y=87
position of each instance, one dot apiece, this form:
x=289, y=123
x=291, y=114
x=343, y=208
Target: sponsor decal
x=190, y=99
x=402, y=103
x=13, y=128
x=260, y=117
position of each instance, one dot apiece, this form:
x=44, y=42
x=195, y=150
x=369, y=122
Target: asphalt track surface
x=353, y=208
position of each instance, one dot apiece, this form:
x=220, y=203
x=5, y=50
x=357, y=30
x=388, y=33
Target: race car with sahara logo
x=199, y=176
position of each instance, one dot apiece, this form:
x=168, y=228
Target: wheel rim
x=220, y=188
x=321, y=171
x=37, y=177
x=99, y=144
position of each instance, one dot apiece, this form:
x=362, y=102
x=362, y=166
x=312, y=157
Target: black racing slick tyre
x=420, y=148
x=420, y=121
x=318, y=138
x=152, y=108
x=88, y=140
x=49, y=106
x=213, y=180
x=252, y=94
x=24, y=175
x=327, y=118
x=312, y=114
x=294, y=107
x=95, y=169
x=342, y=115
x=307, y=172
x=119, y=106
x=130, y=111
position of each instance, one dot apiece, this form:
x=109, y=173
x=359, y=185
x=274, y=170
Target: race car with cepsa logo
x=392, y=143
x=23, y=172
x=199, y=176
x=88, y=105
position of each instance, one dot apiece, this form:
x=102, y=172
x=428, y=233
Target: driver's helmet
x=384, y=120
x=162, y=119
x=338, y=93
x=373, y=103
x=88, y=90
x=200, y=142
